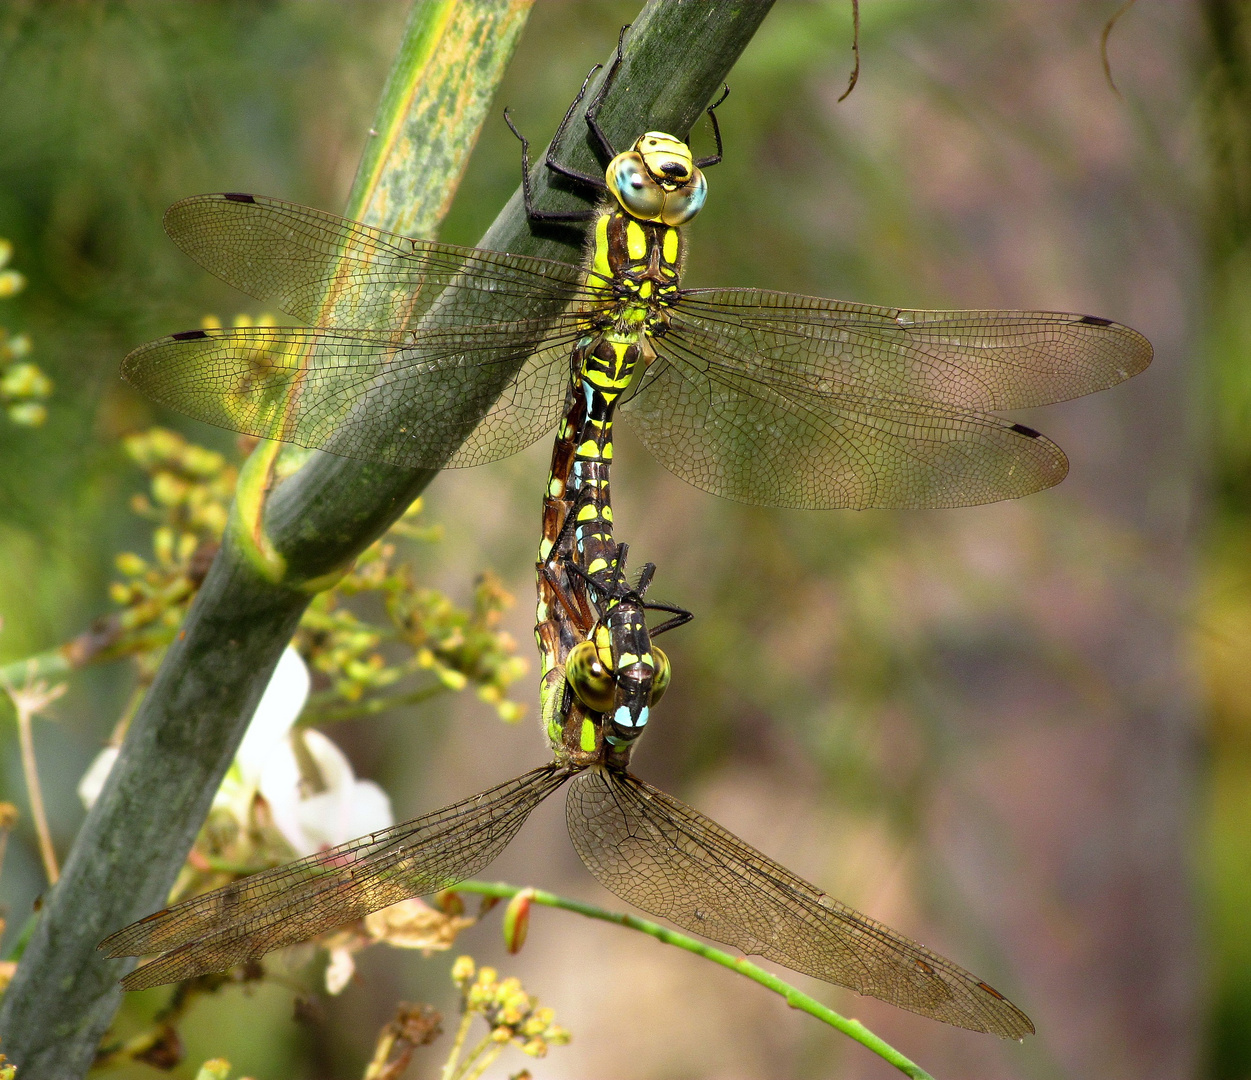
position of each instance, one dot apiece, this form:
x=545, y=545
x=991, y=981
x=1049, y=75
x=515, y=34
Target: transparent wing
x=722, y=419
x=421, y=344
x=666, y=858
x=978, y=360
x=528, y=408
x=303, y=899
x=378, y=396
x=329, y=271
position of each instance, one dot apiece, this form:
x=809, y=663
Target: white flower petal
x=370, y=810
x=280, y=786
x=279, y=708
x=339, y=971
x=92, y=783
x=342, y=810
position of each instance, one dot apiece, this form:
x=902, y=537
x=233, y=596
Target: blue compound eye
x=632, y=186
x=685, y=202
x=590, y=678
x=660, y=681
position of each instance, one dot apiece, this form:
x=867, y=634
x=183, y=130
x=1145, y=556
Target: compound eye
x=633, y=187
x=685, y=202
x=590, y=679
x=660, y=680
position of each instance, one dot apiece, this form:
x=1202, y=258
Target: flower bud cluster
x=188, y=497
x=23, y=386
x=514, y=1015
x=427, y=633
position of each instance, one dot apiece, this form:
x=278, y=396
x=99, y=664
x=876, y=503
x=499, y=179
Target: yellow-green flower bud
x=28, y=413
x=517, y=920
x=11, y=283
x=462, y=971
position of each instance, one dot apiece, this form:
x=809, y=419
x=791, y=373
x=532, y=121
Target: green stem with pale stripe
x=185, y=733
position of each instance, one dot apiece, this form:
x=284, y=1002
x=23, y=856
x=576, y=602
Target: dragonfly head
x=656, y=180
x=618, y=672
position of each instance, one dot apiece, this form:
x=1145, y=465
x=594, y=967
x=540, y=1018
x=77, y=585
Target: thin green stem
x=487, y=1050
x=462, y=1032
x=34, y=791
x=793, y=996
x=27, y=700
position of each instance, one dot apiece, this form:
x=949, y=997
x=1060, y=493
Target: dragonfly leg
x=680, y=617
x=532, y=212
x=607, y=153
x=590, y=180
x=612, y=585
x=560, y=560
x=705, y=162
x=580, y=618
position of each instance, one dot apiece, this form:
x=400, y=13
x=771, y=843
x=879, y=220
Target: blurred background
x=1019, y=733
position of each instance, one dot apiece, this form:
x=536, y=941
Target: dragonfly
x=422, y=354
x=640, y=843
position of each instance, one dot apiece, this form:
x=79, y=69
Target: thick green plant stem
x=793, y=996
x=182, y=739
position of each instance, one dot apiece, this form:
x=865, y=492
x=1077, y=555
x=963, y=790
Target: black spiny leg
x=706, y=162
x=606, y=151
x=589, y=180
x=604, y=147
x=532, y=212
x=612, y=585
x=680, y=617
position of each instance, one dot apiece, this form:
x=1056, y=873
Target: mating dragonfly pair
x=422, y=354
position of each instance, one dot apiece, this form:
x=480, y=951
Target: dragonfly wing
x=527, y=408
x=293, y=903
x=666, y=858
x=369, y=395
x=718, y=417
x=979, y=360
x=329, y=271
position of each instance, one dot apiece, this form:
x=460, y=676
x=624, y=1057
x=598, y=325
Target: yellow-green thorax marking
x=634, y=264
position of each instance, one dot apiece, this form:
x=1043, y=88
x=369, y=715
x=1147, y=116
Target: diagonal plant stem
x=285, y=544
x=793, y=996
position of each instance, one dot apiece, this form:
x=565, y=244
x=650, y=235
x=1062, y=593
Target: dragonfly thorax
x=656, y=180
x=637, y=266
